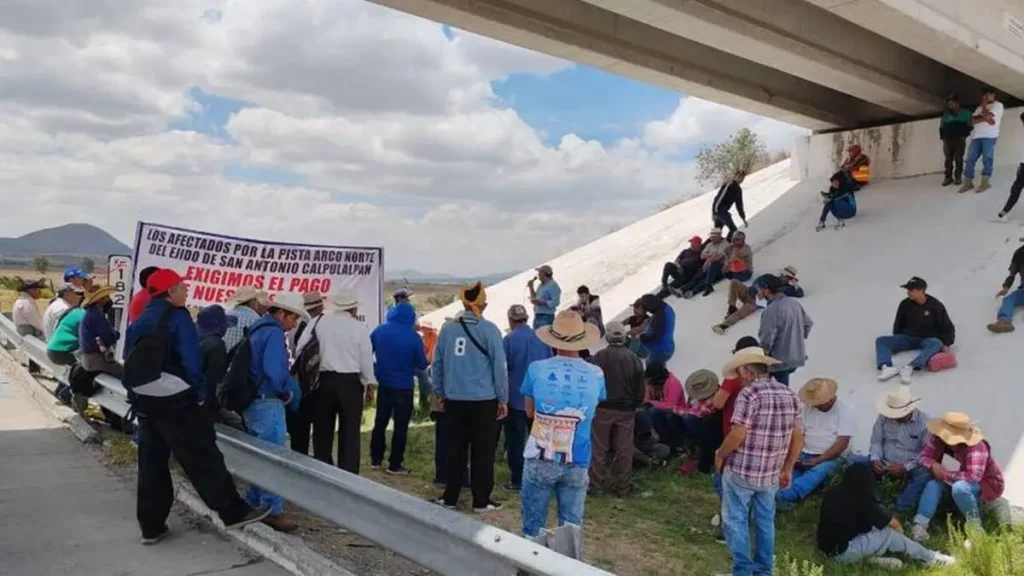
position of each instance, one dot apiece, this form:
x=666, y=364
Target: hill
x=69, y=239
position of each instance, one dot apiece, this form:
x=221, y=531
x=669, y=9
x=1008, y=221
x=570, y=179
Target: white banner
x=214, y=266
x=119, y=276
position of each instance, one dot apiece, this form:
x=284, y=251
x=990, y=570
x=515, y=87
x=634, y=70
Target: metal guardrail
x=444, y=541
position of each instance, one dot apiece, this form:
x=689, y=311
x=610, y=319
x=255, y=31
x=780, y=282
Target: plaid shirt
x=246, y=318
x=770, y=412
x=973, y=459
x=895, y=442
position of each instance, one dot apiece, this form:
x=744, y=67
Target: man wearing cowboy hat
x=829, y=424
x=471, y=385
x=756, y=459
x=346, y=379
x=897, y=440
x=612, y=463
x=97, y=337
x=562, y=394
x=546, y=297
x=305, y=369
x=245, y=305
x=785, y=327
x=25, y=314
x=522, y=348
x=977, y=480
x=276, y=391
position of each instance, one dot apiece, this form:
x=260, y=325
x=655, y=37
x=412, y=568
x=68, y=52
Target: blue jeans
x=886, y=346
x=716, y=480
x=517, y=428
x=397, y=403
x=1010, y=304
x=965, y=496
x=807, y=480
x=541, y=319
x=984, y=147
x=738, y=498
x=782, y=376
x=916, y=480
x=843, y=208
x=266, y=421
x=543, y=479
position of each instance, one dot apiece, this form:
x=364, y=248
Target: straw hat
x=789, y=271
x=818, y=391
x=569, y=332
x=752, y=355
x=896, y=402
x=97, y=295
x=344, y=302
x=956, y=428
x=312, y=300
x=291, y=302
x=701, y=385
x=246, y=294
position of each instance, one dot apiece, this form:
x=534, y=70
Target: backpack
x=146, y=361
x=237, y=390
x=306, y=367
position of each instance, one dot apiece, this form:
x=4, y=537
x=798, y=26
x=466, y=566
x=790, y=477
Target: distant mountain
x=415, y=276
x=69, y=239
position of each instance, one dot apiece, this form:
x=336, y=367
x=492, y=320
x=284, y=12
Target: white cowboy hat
x=752, y=355
x=896, y=402
x=818, y=391
x=956, y=428
x=245, y=294
x=290, y=302
x=344, y=302
x=569, y=332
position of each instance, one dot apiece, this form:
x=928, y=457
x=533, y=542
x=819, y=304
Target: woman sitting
x=839, y=200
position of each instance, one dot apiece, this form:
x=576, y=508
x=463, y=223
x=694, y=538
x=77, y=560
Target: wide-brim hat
x=344, y=302
x=34, y=285
x=752, y=355
x=790, y=271
x=291, y=302
x=312, y=300
x=569, y=332
x=97, y=295
x=701, y=385
x=956, y=428
x=246, y=294
x=896, y=402
x=818, y=391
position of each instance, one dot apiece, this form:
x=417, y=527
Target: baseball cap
x=76, y=273
x=915, y=283
x=615, y=333
x=696, y=240
x=68, y=287
x=546, y=270
x=401, y=293
x=517, y=312
x=162, y=280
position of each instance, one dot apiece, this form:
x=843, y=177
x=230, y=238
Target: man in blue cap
x=79, y=278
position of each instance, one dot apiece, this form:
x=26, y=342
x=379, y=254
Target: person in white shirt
x=986, y=119
x=346, y=373
x=828, y=426
x=68, y=296
x=25, y=314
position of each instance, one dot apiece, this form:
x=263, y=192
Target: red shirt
x=137, y=305
x=733, y=387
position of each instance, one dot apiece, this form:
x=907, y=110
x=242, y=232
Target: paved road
x=63, y=514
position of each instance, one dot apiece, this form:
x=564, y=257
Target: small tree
x=743, y=151
x=89, y=265
x=41, y=264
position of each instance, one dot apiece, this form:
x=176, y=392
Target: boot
x=985, y=185
x=1000, y=327
x=281, y=522
x=947, y=181
x=730, y=311
x=968, y=185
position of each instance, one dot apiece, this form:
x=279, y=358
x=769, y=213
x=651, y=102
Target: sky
x=332, y=122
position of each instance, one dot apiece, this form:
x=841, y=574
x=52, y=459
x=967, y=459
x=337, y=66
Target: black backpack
x=306, y=367
x=145, y=363
x=237, y=390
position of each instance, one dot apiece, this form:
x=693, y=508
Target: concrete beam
x=982, y=38
x=581, y=32
x=800, y=39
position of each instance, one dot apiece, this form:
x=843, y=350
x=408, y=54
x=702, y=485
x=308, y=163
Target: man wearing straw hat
x=756, y=459
x=306, y=369
x=562, y=394
x=977, y=480
x=897, y=440
x=25, y=313
x=829, y=424
x=246, y=304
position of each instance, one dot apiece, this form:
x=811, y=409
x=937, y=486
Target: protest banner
x=214, y=266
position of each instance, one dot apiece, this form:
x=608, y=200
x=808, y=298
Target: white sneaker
x=1003, y=218
x=906, y=374
x=919, y=533
x=716, y=520
x=886, y=562
x=941, y=559
x=886, y=373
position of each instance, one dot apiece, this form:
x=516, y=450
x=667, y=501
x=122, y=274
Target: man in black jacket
x=1011, y=300
x=1015, y=189
x=922, y=323
x=685, y=267
x=730, y=193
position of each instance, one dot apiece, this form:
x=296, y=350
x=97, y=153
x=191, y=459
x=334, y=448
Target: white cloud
x=700, y=121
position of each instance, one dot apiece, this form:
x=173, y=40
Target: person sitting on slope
x=922, y=323
x=839, y=200
x=737, y=263
x=1011, y=300
x=858, y=166
x=682, y=270
x=747, y=296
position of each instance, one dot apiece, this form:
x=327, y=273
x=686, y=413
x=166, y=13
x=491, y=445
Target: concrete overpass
x=822, y=64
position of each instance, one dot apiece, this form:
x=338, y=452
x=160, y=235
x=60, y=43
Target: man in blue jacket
x=471, y=382
x=522, y=347
x=659, y=338
x=276, y=388
x=172, y=421
x=399, y=357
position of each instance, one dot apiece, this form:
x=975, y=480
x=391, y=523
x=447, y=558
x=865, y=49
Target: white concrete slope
x=627, y=263
x=852, y=276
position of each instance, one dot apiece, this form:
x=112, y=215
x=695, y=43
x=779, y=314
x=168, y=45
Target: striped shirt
x=246, y=318
x=895, y=442
x=770, y=412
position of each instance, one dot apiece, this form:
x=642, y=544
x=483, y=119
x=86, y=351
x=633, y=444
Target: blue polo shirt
x=551, y=293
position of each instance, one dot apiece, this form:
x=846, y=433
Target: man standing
x=170, y=417
x=306, y=369
x=68, y=296
x=1015, y=189
x=399, y=353
x=828, y=425
x=546, y=298
x=246, y=302
x=212, y=323
x=276, y=391
x=785, y=327
x=730, y=193
x=471, y=383
x=756, y=459
x=612, y=460
x=346, y=373
x=922, y=323
x=522, y=348
x=25, y=314
x=898, y=437
x=141, y=298
x=1011, y=300
x=562, y=394
x=956, y=125
x=987, y=117
x=682, y=270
